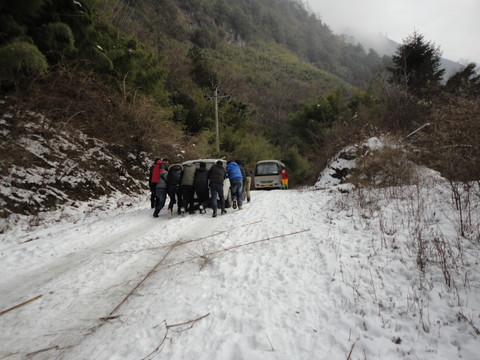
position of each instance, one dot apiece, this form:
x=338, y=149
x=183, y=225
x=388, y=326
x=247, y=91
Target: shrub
x=388, y=166
x=20, y=59
x=55, y=37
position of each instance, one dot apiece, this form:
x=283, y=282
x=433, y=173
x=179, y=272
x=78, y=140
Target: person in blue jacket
x=234, y=174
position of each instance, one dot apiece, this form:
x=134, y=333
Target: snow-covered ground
x=298, y=274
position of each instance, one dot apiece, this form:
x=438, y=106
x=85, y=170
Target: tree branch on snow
x=21, y=304
x=187, y=322
x=167, y=327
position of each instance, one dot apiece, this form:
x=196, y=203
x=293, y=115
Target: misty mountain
x=385, y=46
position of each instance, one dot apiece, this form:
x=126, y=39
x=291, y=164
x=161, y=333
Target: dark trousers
x=187, y=197
x=174, y=195
x=217, y=188
x=161, y=195
x=203, y=196
x=153, y=196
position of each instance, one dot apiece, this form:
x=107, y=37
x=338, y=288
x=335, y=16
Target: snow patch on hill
x=48, y=166
x=339, y=167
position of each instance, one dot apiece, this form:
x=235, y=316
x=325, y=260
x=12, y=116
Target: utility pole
x=216, y=97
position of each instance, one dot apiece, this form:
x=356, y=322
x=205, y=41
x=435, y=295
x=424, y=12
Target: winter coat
x=201, y=179
x=162, y=180
x=217, y=174
x=234, y=172
x=174, y=174
x=150, y=175
x=154, y=173
x=188, y=177
x=243, y=171
x=284, y=174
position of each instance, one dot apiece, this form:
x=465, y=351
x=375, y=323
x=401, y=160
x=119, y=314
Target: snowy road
x=288, y=277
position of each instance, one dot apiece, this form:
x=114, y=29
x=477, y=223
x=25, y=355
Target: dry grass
x=386, y=167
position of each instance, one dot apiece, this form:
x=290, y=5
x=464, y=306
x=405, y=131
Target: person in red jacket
x=152, y=182
x=285, y=175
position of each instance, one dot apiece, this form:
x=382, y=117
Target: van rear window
x=266, y=169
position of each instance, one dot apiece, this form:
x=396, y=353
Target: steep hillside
x=271, y=55
x=45, y=166
x=214, y=24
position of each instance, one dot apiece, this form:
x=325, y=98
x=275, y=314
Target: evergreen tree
x=416, y=64
x=466, y=80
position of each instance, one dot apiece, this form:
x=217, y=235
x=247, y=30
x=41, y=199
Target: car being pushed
x=226, y=183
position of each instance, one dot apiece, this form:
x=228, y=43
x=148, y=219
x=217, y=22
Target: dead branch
x=469, y=321
x=351, y=350
x=167, y=327
x=420, y=128
x=258, y=241
x=27, y=241
x=178, y=243
x=158, y=347
x=23, y=303
x=218, y=233
x=173, y=246
x=43, y=350
x=271, y=346
x=187, y=322
x=143, y=280
x=234, y=247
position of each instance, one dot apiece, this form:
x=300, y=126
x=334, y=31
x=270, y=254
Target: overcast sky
x=454, y=25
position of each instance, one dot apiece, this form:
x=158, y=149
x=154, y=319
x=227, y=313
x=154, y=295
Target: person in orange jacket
x=285, y=175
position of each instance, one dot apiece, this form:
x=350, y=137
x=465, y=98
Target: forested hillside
x=269, y=56
x=140, y=75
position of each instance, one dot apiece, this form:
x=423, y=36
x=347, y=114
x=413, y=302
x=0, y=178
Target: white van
x=268, y=174
x=226, y=182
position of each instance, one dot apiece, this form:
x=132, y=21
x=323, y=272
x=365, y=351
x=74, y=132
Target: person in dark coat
x=166, y=162
x=217, y=176
x=152, y=183
x=201, y=187
x=173, y=186
x=186, y=188
x=161, y=188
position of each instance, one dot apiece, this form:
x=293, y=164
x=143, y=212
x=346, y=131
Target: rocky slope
x=46, y=165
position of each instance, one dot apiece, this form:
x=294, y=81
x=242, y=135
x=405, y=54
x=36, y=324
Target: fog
x=451, y=25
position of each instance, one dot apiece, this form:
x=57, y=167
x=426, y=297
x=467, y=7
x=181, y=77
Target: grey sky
x=452, y=25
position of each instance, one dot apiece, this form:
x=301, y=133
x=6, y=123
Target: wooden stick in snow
x=173, y=246
x=235, y=247
x=187, y=322
x=143, y=280
x=23, y=303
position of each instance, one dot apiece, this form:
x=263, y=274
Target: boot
x=214, y=212
x=223, y=210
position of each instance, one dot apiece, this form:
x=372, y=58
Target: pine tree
x=416, y=64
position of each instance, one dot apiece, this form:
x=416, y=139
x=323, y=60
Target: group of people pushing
x=182, y=182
